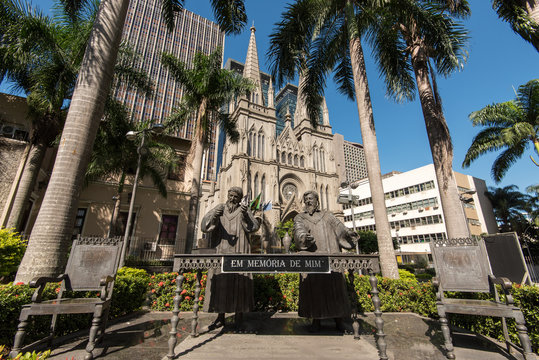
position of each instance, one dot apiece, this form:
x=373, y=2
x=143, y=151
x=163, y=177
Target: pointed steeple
x=301, y=107
x=325, y=112
x=271, y=94
x=251, y=70
x=288, y=118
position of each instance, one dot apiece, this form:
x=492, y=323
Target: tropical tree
x=314, y=38
x=114, y=156
x=207, y=87
x=512, y=125
x=522, y=15
x=53, y=226
x=419, y=39
x=41, y=57
x=509, y=206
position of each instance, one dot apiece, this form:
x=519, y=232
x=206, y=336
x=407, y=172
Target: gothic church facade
x=279, y=157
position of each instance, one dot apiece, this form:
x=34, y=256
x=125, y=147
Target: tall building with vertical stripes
x=146, y=32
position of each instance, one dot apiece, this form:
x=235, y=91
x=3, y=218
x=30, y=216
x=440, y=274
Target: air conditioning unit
x=8, y=130
x=420, y=209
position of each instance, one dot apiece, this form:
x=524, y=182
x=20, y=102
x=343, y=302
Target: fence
x=150, y=249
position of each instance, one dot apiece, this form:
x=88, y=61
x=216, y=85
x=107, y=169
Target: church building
x=279, y=154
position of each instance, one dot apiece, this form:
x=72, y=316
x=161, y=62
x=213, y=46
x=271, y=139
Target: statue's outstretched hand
x=219, y=211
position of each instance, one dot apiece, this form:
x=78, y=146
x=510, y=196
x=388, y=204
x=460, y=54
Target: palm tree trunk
x=441, y=148
x=48, y=246
x=117, y=203
x=388, y=262
x=192, y=171
x=26, y=184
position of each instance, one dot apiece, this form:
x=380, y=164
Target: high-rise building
x=414, y=209
x=146, y=32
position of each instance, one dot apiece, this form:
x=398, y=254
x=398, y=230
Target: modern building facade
x=146, y=32
x=414, y=209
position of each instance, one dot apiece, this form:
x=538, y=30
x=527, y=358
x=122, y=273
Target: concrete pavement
x=277, y=336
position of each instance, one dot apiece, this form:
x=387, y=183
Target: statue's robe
x=322, y=295
x=229, y=234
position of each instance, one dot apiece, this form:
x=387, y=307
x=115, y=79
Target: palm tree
x=522, y=15
x=207, y=88
x=509, y=205
x=318, y=37
x=40, y=56
x=111, y=139
x=416, y=39
x=53, y=226
x=511, y=125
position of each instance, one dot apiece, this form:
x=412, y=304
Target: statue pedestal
x=271, y=264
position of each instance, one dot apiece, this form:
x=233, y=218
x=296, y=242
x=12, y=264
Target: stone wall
x=11, y=152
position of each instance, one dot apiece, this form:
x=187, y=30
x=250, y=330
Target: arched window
x=283, y=157
x=278, y=156
x=256, y=185
x=322, y=160
x=296, y=160
x=322, y=197
x=263, y=188
x=315, y=158
x=327, y=197
x=259, y=155
x=302, y=161
x=262, y=153
x=249, y=142
x=289, y=158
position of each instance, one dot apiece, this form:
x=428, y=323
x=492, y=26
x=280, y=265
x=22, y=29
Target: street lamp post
x=141, y=150
x=466, y=200
x=351, y=200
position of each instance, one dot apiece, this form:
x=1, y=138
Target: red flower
x=165, y=273
x=400, y=293
x=16, y=295
x=183, y=291
x=200, y=298
x=155, y=302
x=369, y=296
x=152, y=277
x=57, y=290
x=161, y=283
x=19, y=283
x=153, y=290
x=187, y=298
x=173, y=281
x=149, y=284
x=284, y=296
x=167, y=304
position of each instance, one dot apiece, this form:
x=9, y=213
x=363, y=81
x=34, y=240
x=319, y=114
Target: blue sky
x=499, y=61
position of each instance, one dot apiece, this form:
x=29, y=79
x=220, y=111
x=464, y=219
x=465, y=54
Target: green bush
x=12, y=249
x=163, y=289
x=406, y=275
x=130, y=291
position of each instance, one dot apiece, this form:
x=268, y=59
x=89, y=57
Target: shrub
x=163, y=286
x=130, y=291
x=12, y=249
x=406, y=275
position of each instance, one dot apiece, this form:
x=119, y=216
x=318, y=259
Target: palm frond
x=507, y=158
x=230, y=15
x=169, y=9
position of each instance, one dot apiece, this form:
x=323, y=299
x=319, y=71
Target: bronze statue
x=228, y=227
x=322, y=295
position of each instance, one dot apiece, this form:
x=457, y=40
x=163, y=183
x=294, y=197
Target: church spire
x=325, y=112
x=251, y=70
x=301, y=107
x=271, y=94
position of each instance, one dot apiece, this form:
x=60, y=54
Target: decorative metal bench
x=270, y=263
